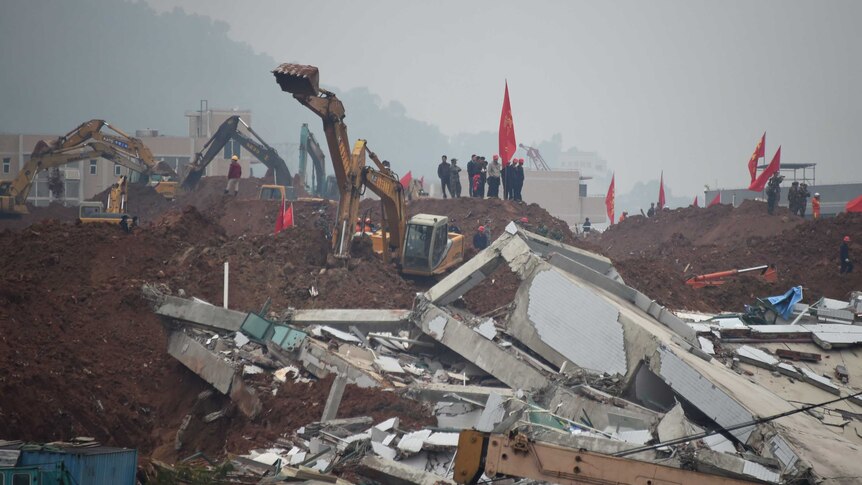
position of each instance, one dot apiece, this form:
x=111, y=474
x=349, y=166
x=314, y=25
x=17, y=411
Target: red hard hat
x=520, y=161
x=481, y=228
x=496, y=157
x=524, y=220
x=846, y=238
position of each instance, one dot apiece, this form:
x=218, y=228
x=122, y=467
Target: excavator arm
x=386, y=185
x=308, y=147
x=303, y=83
x=516, y=455
x=14, y=193
x=229, y=130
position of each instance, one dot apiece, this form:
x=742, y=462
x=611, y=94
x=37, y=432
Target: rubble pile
x=657, y=255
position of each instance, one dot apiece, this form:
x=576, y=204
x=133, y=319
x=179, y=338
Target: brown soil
x=652, y=254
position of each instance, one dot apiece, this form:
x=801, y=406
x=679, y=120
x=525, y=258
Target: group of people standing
x=797, y=197
x=482, y=175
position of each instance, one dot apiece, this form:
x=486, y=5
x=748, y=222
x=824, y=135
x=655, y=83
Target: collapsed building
x=577, y=357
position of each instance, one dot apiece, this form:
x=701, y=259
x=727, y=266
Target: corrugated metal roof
x=579, y=324
x=8, y=458
x=702, y=393
x=782, y=451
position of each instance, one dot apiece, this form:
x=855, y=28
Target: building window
x=7, y=165
x=118, y=170
x=21, y=479
x=94, y=165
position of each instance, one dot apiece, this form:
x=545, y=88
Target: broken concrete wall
x=564, y=321
x=199, y=313
x=485, y=354
x=320, y=361
x=213, y=369
x=602, y=411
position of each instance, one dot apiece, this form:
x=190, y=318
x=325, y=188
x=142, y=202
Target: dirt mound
x=657, y=255
x=55, y=211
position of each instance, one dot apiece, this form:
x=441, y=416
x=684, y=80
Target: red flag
x=759, y=152
x=405, y=180
x=288, y=217
x=760, y=182
x=716, y=200
x=279, y=221
x=695, y=201
x=854, y=205
x=609, y=200
x=661, y=200
x=507, y=130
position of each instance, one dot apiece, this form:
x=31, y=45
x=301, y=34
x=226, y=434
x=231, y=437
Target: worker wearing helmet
x=369, y=227
x=844, y=255
x=480, y=239
x=815, y=205
x=234, y=173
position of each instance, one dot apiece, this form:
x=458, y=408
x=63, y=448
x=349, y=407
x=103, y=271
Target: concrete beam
x=443, y=392
x=216, y=371
x=209, y=316
x=547, y=247
x=394, y=473
x=469, y=274
x=320, y=361
x=365, y=320
x=336, y=392
x=485, y=354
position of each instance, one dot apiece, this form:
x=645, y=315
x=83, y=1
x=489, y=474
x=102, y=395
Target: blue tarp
x=784, y=303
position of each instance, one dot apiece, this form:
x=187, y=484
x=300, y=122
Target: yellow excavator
x=423, y=245
x=94, y=211
x=87, y=141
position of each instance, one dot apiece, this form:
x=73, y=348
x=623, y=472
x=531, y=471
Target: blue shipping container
x=99, y=465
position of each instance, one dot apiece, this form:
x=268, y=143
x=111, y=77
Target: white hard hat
x=816, y=194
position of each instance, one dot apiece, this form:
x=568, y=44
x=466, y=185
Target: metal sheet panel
x=8, y=458
x=760, y=472
x=579, y=324
x=703, y=394
x=104, y=466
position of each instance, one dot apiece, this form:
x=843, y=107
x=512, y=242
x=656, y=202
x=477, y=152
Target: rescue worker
x=234, y=173
x=844, y=255
x=480, y=239
x=494, y=178
x=124, y=224
x=506, y=178
x=623, y=216
x=471, y=170
x=358, y=228
x=588, y=226
x=651, y=211
x=481, y=177
x=802, y=199
x=793, y=198
x=455, y=179
x=518, y=179
x=773, y=192
x=815, y=205
x=443, y=174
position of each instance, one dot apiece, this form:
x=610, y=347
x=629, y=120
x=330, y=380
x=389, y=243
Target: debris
x=796, y=355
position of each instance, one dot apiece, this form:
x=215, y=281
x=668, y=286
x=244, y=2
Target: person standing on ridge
x=494, y=178
x=471, y=170
x=443, y=174
x=815, y=205
x=773, y=192
x=234, y=173
x=844, y=255
x=455, y=179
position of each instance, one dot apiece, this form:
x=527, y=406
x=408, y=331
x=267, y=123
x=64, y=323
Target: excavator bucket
x=298, y=79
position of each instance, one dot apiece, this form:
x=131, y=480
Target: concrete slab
x=754, y=356
x=493, y=414
x=200, y=313
x=443, y=392
x=817, y=380
x=320, y=361
x=336, y=392
x=363, y=319
x=395, y=473
x=480, y=351
x=200, y=360
x=412, y=442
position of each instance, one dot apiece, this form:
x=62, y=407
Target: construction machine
x=321, y=184
x=87, y=141
x=113, y=211
x=423, y=245
x=498, y=455
x=229, y=130
x=765, y=272
x=535, y=157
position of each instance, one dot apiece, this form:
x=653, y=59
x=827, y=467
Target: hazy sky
x=683, y=86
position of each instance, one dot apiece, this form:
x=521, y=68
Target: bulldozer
x=422, y=245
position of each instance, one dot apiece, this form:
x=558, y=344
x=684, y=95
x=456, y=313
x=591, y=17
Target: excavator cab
x=429, y=248
x=276, y=192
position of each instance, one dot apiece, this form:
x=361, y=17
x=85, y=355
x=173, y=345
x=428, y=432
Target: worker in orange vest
x=815, y=205
x=369, y=228
x=623, y=216
x=358, y=225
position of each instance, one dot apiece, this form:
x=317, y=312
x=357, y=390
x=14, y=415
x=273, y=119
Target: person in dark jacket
x=844, y=254
x=480, y=239
x=234, y=173
x=651, y=211
x=443, y=174
x=518, y=179
x=471, y=170
x=481, y=174
x=773, y=192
